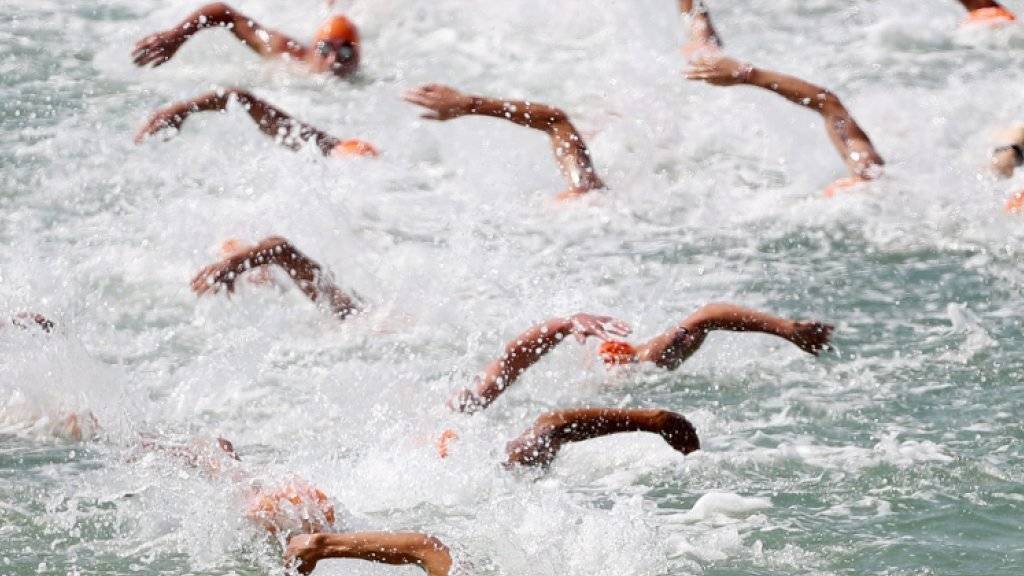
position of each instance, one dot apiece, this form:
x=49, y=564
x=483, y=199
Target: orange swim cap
x=1015, y=205
x=617, y=352
x=355, y=147
x=990, y=15
x=442, y=443
x=337, y=28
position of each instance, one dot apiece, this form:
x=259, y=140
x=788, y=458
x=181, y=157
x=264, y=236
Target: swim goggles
x=344, y=49
x=1018, y=153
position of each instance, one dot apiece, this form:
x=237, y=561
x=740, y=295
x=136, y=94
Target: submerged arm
x=539, y=445
x=702, y=33
x=271, y=120
x=526, y=350
x=569, y=148
x=427, y=552
x=158, y=48
x=277, y=250
x=850, y=140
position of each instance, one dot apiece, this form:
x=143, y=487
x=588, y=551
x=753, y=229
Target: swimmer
x=668, y=350
x=526, y=350
x=703, y=38
x=396, y=548
x=852, y=143
x=335, y=47
x=570, y=151
x=1006, y=158
x=539, y=444
x=272, y=121
x=26, y=320
x=275, y=250
x=292, y=506
x=986, y=12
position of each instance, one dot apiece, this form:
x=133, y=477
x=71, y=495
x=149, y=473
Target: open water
x=899, y=453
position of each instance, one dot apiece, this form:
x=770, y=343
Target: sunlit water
x=898, y=454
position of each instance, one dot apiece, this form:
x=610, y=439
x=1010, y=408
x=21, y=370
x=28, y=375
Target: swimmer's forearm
x=396, y=548
x=531, y=114
x=220, y=15
x=281, y=126
x=701, y=29
x=214, y=15
x=541, y=443
x=525, y=351
x=852, y=143
x=277, y=250
x=570, y=150
x=791, y=88
x=738, y=319
x=972, y=5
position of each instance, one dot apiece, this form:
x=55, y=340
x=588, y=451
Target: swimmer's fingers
x=156, y=49
x=602, y=327
x=719, y=70
x=211, y=278
x=156, y=123
x=617, y=327
x=443, y=101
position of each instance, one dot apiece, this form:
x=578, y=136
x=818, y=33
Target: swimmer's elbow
x=216, y=10
x=240, y=93
x=555, y=117
x=830, y=105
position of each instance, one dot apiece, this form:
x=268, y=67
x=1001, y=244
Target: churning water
x=900, y=453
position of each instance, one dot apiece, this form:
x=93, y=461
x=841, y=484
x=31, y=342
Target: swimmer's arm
x=847, y=136
x=702, y=33
x=680, y=342
x=271, y=120
x=972, y=5
x=852, y=143
x=303, y=270
x=526, y=350
x=570, y=150
x=539, y=445
x=397, y=548
x=158, y=48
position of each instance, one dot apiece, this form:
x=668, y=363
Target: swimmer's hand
x=222, y=274
x=812, y=337
x=302, y=553
x=158, y=48
x=719, y=71
x=169, y=118
x=602, y=327
x=443, y=102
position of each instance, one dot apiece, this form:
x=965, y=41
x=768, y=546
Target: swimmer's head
x=989, y=16
x=616, y=352
x=355, y=147
x=335, y=47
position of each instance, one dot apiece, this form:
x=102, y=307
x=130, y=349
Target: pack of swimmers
x=305, y=513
